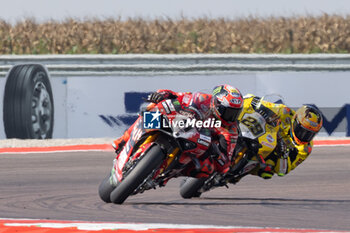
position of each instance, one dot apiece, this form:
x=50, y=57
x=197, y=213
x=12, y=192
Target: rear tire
x=190, y=188
x=150, y=161
x=105, y=189
x=28, y=103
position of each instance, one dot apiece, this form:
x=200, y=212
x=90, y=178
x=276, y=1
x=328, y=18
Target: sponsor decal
x=171, y=106
x=236, y=101
x=202, y=142
x=165, y=106
x=187, y=114
x=235, y=94
x=268, y=144
x=217, y=90
x=204, y=137
x=186, y=99
x=270, y=138
x=176, y=102
x=152, y=120
x=221, y=163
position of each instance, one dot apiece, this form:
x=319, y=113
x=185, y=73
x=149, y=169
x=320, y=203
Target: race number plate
x=252, y=125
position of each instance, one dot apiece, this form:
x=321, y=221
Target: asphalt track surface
x=63, y=186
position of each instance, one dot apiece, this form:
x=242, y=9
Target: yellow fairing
x=268, y=138
x=267, y=146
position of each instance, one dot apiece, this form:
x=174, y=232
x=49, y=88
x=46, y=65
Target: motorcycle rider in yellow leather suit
x=296, y=132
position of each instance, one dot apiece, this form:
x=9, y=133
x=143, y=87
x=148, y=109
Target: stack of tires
x=28, y=109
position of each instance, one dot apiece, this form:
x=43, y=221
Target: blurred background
x=154, y=26
x=79, y=9
x=127, y=49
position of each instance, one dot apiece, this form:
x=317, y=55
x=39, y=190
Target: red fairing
x=121, y=163
x=198, y=104
x=132, y=135
x=228, y=134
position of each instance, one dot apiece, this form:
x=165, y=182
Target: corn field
x=324, y=34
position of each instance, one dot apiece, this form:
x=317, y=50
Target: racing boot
x=118, y=144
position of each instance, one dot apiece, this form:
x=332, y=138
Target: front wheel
x=105, y=189
x=190, y=188
x=150, y=161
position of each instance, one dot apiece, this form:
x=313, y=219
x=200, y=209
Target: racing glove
x=155, y=97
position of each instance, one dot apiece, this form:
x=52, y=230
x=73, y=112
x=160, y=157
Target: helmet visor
x=229, y=114
x=301, y=133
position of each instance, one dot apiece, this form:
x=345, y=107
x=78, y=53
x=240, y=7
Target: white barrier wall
x=325, y=89
x=96, y=106
x=88, y=97
x=99, y=95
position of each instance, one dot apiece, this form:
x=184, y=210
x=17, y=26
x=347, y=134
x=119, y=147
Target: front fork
x=129, y=164
x=139, y=152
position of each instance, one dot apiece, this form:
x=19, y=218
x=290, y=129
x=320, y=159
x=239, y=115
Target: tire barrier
x=28, y=107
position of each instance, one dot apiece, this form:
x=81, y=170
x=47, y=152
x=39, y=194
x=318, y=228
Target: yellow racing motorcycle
x=259, y=124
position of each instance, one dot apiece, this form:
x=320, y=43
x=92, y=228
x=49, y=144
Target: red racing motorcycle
x=161, y=145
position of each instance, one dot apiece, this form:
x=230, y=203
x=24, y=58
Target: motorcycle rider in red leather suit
x=224, y=104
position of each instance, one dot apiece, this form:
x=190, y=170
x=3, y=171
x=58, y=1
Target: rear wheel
x=150, y=161
x=105, y=189
x=190, y=188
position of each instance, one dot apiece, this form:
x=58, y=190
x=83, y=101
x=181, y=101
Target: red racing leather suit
x=225, y=136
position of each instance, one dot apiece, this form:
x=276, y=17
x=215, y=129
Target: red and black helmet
x=226, y=104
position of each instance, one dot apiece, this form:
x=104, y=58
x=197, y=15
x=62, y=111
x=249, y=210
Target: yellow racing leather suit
x=288, y=154
x=294, y=154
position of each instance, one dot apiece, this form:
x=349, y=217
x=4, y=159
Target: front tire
x=150, y=161
x=105, y=189
x=190, y=188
